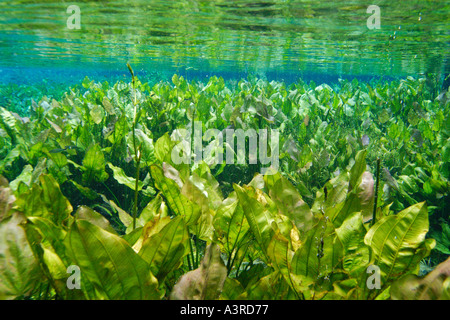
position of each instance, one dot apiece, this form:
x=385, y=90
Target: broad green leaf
x=164, y=250
x=109, y=264
x=124, y=217
x=383, y=117
x=45, y=200
x=85, y=191
x=356, y=254
x=155, y=207
x=259, y=218
x=434, y=286
x=145, y=143
x=97, y=113
x=270, y=287
x=230, y=224
x=204, y=283
x=176, y=201
x=19, y=270
x=163, y=148
x=86, y=213
x=398, y=241
x=232, y=289
x=46, y=241
x=120, y=176
x=58, y=205
x=196, y=190
x=149, y=229
x=357, y=169
x=94, y=165
x=7, y=198
x=289, y=202
x=108, y=106
x=25, y=177
x=337, y=190
x=320, y=254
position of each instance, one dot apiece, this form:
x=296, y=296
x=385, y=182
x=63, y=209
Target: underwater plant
x=88, y=181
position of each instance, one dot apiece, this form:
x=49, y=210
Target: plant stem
x=192, y=253
x=136, y=189
x=137, y=153
x=375, y=202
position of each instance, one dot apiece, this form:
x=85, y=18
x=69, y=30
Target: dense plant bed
x=89, y=185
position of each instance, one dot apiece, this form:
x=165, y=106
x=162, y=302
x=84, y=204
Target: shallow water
x=276, y=39
x=117, y=175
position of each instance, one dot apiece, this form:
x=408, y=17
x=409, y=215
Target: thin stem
x=192, y=253
x=374, y=214
x=137, y=153
x=136, y=189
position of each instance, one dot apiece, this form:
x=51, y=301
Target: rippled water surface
x=281, y=36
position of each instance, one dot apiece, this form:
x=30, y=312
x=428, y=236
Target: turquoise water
x=276, y=39
x=99, y=101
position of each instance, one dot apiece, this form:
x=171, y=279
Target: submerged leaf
x=398, y=241
x=204, y=283
x=19, y=271
x=109, y=265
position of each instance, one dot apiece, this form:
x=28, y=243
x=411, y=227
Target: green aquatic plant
x=310, y=230
x=318, y=252
x=434, y=286
x=137, y=149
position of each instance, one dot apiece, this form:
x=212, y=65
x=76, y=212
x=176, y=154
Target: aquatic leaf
x=57, y=204
x=120, y=176
x=88, y=214
x=200, y=192
x=19, y=270
x=94, y=165
x=25, y=177
x=231, y=290
x=259, y=218
x=288, y=201
x=398, y=241
x=357, y=169
x=151, y=228
x=120, y=130
x=156, y=207
x=383, y=117
x=45, y=200
x=46, y=240
x=85, y=191
x=108, y=106
x=124, y=217
x=7, y=198
x=97, y=113
x=109, y=264
x=280, y=254
x=54, y=126
x=434, y=286
x=356, y=254
x=204, y=283
x=86, y=82
x=230, y=224
x=10, y=158
x=146, y=146
x=164, y=250
x=163, y=148
x=177, y=202
x=270, y=287
x=320, y=254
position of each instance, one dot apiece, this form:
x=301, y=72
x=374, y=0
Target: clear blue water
x=277, y=39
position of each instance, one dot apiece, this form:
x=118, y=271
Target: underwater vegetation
x=358, y=204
